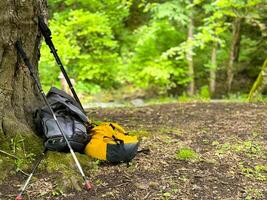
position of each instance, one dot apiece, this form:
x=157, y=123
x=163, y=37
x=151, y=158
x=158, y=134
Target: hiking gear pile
x=59, y=126
x=71, y=118
x=110, y=142
x=64, y=126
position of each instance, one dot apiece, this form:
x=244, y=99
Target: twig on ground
x=8, y=154
x=147, y=195
x=24, y=172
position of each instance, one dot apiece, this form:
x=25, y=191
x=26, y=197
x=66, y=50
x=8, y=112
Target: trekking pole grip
x=43, y=27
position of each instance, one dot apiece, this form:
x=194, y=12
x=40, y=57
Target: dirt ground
x=230, y=160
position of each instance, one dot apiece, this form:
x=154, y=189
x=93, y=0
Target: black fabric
x=69, y=116
x=59, y=144
x=54, y=90
x=58, y=98
x=121, y=152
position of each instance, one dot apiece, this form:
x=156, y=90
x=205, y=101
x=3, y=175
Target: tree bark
x=18, y=94
x=260, y=83
x=234, y=51
x=189, y=56
x=213, y=69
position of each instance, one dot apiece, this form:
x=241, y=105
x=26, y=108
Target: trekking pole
x=23, y=55
x=46, y=32
x=19, y=196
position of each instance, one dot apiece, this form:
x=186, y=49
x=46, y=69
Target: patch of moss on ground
x=6, y=166
x=257, y=172
x=28, y=148
x=140, y=133
x=186, y=154
x=23, y=148
x=171, y=131
x=247, y=148
x=253, y=193
x=64, y=164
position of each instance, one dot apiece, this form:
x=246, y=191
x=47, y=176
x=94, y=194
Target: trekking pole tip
x=19, y=197
x=88, y=185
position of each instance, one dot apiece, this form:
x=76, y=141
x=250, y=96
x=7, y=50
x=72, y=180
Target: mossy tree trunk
x=18, y=94
x=260, y=83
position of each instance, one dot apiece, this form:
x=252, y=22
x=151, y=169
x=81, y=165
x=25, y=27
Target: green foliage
x=148, y=67
x=88, y=52
x=204, y=92
x=23, y=157
x=175, y=11
x=102, y=50
x=203, y=95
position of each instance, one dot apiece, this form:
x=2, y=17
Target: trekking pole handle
x=44, y=28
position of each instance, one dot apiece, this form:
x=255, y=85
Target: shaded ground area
x=229, y=159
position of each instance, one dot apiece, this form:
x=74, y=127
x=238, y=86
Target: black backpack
x=71, y=118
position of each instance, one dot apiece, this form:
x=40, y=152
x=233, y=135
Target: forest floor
x=197, y=151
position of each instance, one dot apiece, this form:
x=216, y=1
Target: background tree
x=189, y=53
x=260, y=83
x=236, y=12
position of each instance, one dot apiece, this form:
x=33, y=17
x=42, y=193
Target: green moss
x=33, y=144
x=56, y=161
x=64, y=165
x=186, y=154
x=258, y=172
x=170, y=131
x=247, y=148
x=254, y=193
x=28, y=147
x=6, y=166
x=24, y=147
x=255, y=90
x=140, y=133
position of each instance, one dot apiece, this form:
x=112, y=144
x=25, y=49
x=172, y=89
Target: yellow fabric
x=103, y=135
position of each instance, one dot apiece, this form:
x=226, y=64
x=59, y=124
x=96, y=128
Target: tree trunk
x=260, y=84
x=189, y=56
x=213, y=69
x=18, y=94
x=234, y=51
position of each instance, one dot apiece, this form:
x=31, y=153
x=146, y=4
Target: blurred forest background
x=127, y=49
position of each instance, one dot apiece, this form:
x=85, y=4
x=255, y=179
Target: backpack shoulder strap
x=58, y=97
x=54, y=90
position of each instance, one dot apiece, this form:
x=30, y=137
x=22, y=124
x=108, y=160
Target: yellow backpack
x=110, y=142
